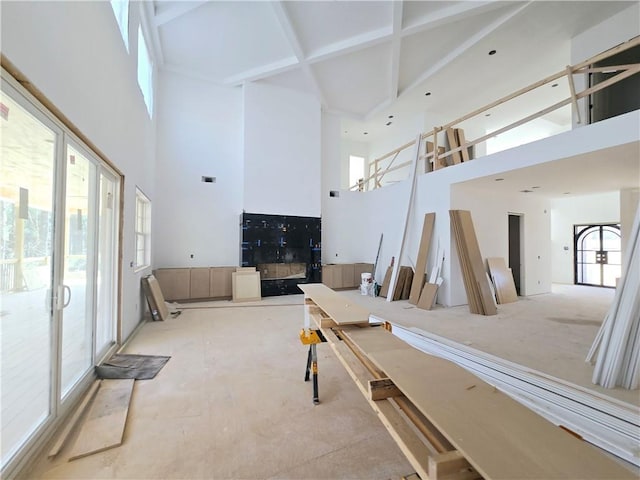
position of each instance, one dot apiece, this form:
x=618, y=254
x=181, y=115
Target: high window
x=356, y=171
x=121, y=12
x=143, y=230
x=145, y=71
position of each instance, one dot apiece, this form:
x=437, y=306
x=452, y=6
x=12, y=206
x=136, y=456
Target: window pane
x=121, y=12
x=145, y=72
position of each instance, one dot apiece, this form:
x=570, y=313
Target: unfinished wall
x=199, y=134
x=577, y=210
x=282, y=151
x=74, y=54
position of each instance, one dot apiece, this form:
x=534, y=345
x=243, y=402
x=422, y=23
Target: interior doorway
x=515, y=242
x=598, y=257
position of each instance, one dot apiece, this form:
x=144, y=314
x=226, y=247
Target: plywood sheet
x=503, y=280
x=245, y=286
x=341, y=310
x=104, y=425
x=384, y=289
x=155, y=299
x=456, y=158
x=499, y=437
x=428, y=296
x=461, y=141
x=421, y=261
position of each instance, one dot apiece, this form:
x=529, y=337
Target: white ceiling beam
x=147, y=16
x=352, y=44
x=253, y=74
x=395, y=48
x=189, y=73
x=292, y=37
x=450, y=14
x=176, y=10
x=464, y=46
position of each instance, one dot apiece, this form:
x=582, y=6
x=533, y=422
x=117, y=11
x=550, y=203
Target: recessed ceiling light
x=487, y=114
x=346, y=131
x=499, y=179
x=526, y=191
x=535, y=187
x=567, y=193
x=492, y=52
x=427, y=94
x=388, y=123
x=390, y=116
x=365, y=133
x=554, y=85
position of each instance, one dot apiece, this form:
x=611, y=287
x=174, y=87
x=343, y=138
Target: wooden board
x=104, y=425
x=461, y=141
x=473, y=271
x=456, y=158
x=503, y=280
x=428, y=296
x=155, y=299
x=199, y=283
x=245, y=286
x=70, y=424
x=384, y=289
x=421, y=261
x=499, y=437
x=339, y=308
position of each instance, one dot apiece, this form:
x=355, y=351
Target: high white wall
x=607, y=34
x=578, y=210
x=199, y=134
x=73, y=53
x=282, y=151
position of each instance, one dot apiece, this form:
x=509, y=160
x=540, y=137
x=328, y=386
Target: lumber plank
x=456, y=158
x=499, y=437
x=73, y=421
x=338, y=307
x=461, y=142
x=104, y=425
x=421, y=260
x=382, y=388
x=384, y=289
x=447, y=463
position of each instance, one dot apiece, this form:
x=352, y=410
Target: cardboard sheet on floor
x=103, y=427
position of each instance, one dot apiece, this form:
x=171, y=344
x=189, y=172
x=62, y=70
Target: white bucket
x=367, y=284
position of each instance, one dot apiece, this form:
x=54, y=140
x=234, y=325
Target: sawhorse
x=312, y=338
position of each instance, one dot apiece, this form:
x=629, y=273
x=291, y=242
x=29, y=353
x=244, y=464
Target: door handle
x=60, y=302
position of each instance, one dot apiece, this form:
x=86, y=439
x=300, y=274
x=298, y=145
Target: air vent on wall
x=209, y=179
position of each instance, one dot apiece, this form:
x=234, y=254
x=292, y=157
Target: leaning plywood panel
x=499, y=437
x=461, y=141
x=245, y=286
x=421, y=261
x=453, y=143
x=428, y=296
x=155, y=298
x=503, y=280
x=384, y=290
x=104, y=425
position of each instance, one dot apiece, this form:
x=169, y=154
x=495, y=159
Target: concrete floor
x=231, y=403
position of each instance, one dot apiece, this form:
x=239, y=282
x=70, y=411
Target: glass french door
x=59, y=209
x=598, y=260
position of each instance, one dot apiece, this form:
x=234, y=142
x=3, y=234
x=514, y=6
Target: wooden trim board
x=384, y=289
x=421, y=261
x=503, y=280
x=428, y=296
x=157, y=305
x=104, y=425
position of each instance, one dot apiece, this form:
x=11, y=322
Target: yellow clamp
x=308, y=337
